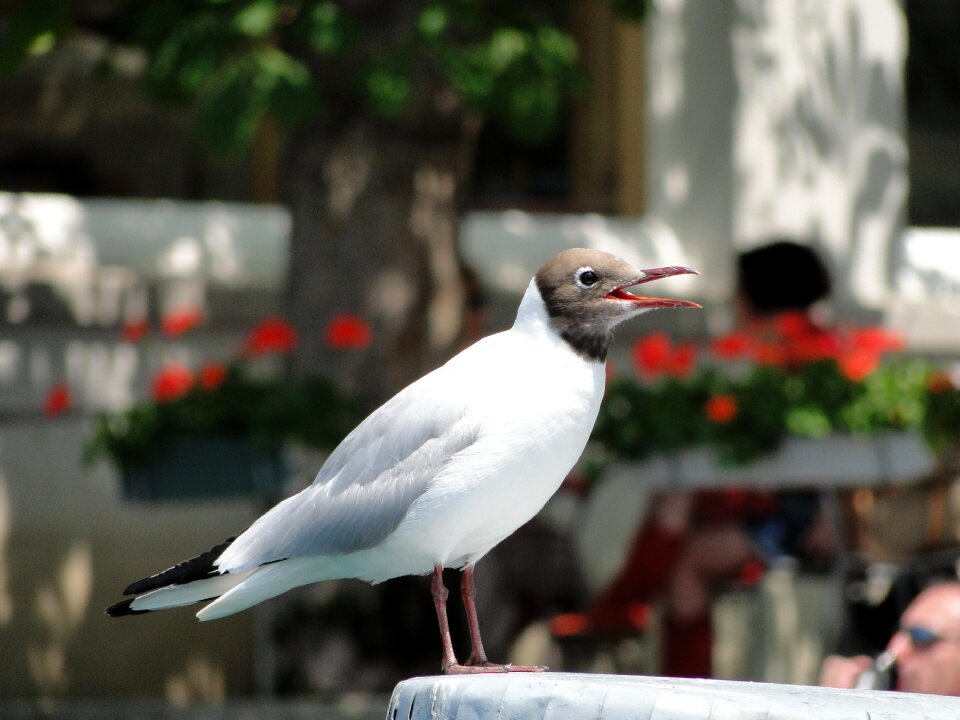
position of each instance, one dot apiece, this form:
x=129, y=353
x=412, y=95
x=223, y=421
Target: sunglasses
x=922, y=638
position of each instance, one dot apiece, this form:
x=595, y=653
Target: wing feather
x=368, y=483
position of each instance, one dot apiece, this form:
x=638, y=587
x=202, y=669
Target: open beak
x=654, y=302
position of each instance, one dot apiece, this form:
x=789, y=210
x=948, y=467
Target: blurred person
x=693, y=541
x=925, y=650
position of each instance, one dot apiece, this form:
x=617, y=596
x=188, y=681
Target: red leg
x=477, y=661
x=439, y=592
x=469, y=594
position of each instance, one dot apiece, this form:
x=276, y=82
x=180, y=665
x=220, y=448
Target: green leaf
x=326, y=29
x=288, y=87
x=506, y=47
x=33, y=28
x=388, y=89
x=433, y=21
x=191, y=55
x=231, y=108
x=257, y=18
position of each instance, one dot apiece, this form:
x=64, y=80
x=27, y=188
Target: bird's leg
x=449, y=662
x=477, y=662
x=440, y=593
x=468, y=592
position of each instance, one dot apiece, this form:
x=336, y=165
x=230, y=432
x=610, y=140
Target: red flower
x=793, y=325
x=180, y=321
x=58, y=400
x=134, y=330
x=651, y=353
x=877, y=340
x=768, y=353
x=273, y=335
x=212, y=375
x=682, y=360
x=858, y=364
x=172, y=382
x=731, y=346
x=814, y=346
x=721, y=409
x=348, y=332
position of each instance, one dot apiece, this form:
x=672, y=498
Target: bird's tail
x=194, y=580
x=200, y=580
x=268, y=581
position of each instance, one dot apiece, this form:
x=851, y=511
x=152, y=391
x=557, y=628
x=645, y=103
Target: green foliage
x=245, y=61
x=268, y=412
x=32, y=28
x=640, y=419
x=518, y=76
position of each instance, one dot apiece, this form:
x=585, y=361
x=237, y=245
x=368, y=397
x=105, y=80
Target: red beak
x=654, y=302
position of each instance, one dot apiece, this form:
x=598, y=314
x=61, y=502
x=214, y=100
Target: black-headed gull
x=445, y=470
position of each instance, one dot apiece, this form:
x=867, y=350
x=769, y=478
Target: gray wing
x=366, y=486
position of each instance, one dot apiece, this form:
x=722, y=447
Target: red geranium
x=651, y=353
x=134, y=330
x=212, y=375
x=58, y=400
x=731, y=346
x=273, y=335
x=877, y=340
x=858, y=364
x=172, y=382
x=348, y=332
x=178, y=322
x=768, y=353
x=682, y=359
x=814, y=346
x=794, y=325
x=721, y=409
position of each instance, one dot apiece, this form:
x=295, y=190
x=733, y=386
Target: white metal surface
x=552, y=696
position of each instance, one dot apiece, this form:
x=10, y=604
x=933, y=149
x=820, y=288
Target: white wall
x=71, y=272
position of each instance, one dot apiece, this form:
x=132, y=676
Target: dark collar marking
x=589, y=346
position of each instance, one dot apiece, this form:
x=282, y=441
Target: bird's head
x=585, y=295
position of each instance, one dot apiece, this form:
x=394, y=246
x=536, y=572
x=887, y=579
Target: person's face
x=927, y=645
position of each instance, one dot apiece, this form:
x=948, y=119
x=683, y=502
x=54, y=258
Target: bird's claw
x=489, y=667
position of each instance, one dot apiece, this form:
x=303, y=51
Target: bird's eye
x=586, y=277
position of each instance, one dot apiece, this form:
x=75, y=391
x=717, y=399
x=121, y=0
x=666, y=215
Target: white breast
x=536, y=402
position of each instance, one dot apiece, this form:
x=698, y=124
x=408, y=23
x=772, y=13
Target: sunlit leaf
x=289, y=93
x=31, y=29
x=257, y=18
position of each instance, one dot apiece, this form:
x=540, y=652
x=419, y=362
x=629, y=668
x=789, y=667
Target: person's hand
x=842, y=672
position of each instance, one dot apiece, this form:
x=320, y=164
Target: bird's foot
x=489, y=667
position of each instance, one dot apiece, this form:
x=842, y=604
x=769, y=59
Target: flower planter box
x=835, y=461
x=208, y=468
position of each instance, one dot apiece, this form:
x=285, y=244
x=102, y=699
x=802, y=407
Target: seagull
x=445, y=470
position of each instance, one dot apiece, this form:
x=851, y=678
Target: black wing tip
x=196, y=568
x=123, y=608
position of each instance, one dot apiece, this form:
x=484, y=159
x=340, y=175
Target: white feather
x=179, y=595
x=439, y=475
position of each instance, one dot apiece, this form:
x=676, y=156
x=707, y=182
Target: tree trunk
x=376, y=214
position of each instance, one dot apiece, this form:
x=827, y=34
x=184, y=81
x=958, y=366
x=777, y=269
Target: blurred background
x=228, y=228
